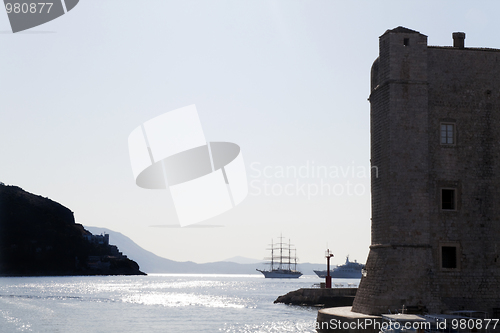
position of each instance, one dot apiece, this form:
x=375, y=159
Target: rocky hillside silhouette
x=39, y=236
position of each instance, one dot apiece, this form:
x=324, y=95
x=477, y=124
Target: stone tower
x=435, y=143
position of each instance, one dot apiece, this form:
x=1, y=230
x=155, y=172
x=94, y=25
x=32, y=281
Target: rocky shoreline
x=39, y=237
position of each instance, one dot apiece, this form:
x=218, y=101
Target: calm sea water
x=153, y=303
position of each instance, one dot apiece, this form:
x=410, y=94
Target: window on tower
x=449, y=257
x=448, y=199
x=447, y=134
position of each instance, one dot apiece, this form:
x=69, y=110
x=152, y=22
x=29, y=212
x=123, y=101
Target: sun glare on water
x=183, y=299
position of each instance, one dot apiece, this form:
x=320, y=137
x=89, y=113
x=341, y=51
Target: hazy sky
x=287, y=80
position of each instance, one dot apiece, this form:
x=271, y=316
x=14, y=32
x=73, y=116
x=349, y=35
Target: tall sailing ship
x=283, y=265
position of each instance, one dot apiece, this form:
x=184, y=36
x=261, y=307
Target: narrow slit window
x=447, y=134
x=406, y=41
x=449, y=257
x=448, y=199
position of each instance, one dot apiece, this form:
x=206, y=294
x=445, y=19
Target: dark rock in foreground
x=319, y=297
x=39, y=237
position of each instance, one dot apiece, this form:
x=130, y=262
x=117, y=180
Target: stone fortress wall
x=435, y=139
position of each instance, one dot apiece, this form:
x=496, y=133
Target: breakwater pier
x=324, y=297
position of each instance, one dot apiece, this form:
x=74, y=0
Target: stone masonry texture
x=415, y=88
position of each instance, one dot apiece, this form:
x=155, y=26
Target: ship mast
x=286, y=262
x=295, y=258
x=289, y=254
x=272, y=255
x=281, y=251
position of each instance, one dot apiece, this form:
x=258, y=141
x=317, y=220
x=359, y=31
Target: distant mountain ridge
x=151, y=263
x=243, y=260
x=39, y=237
